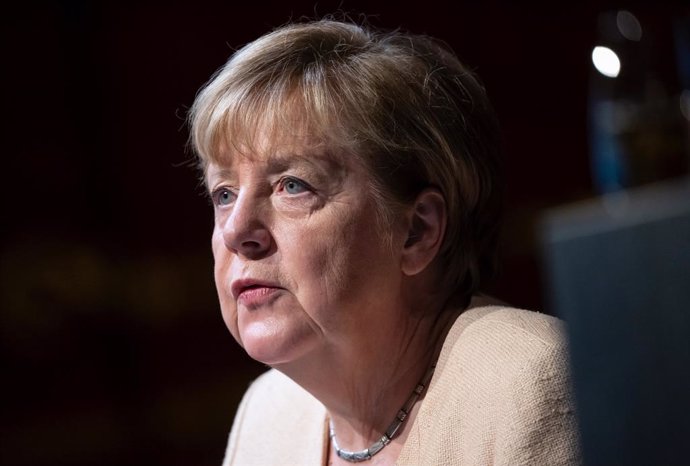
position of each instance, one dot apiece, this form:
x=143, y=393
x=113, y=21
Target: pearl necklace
x=367, y=453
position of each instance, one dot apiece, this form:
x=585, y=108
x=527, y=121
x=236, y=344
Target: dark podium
x=618, y=272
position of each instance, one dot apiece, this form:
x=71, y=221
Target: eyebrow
x=277, y=162
x=280, y=161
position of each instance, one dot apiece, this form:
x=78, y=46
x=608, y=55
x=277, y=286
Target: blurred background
x=112, y=346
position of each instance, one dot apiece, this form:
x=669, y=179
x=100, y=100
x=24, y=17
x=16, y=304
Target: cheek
x=221, y=269
x=323, y=254
x=332, y=266
x=221, y=262
x=229, y=312
x=328, y=268
x=217, y=242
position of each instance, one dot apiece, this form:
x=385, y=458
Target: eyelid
x=289, y=178
x=216, y=193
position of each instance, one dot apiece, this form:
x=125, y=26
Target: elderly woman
x=353, y=179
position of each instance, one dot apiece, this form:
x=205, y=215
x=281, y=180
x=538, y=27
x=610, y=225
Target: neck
x=365, y=381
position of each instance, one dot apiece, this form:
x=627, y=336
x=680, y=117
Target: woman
x=353, y=179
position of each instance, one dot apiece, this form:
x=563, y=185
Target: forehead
x=278, y=160
x=264, y=135
x=276, y=156
x=277, y=140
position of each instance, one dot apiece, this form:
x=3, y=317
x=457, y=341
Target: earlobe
x=426, y=228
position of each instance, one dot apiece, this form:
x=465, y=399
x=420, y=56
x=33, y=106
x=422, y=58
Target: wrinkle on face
x=328, y=254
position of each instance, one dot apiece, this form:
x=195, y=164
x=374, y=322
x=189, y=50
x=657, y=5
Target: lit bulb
x=606, y=61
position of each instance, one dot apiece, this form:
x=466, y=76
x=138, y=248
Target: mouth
x=250, y=288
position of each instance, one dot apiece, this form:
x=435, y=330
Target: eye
x=223, y=197
x=294, y=186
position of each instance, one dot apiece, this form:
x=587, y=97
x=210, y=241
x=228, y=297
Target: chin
x=274, y=345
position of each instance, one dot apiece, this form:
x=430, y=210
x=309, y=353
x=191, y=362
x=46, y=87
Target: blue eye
x=294, y=186
x=223, y=197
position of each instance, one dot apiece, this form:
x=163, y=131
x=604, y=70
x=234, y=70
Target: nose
x=245, y=232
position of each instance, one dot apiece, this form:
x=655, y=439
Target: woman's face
x=300, y=264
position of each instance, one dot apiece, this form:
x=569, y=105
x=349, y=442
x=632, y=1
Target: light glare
x=628, y=25
x=606, y=61
x=685, y=103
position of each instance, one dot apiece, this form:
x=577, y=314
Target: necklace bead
x=391, y=432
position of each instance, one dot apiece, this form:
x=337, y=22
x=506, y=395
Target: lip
x=245, y=288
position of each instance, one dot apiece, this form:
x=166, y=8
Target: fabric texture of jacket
x=500, y=395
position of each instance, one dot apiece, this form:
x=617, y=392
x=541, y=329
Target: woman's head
x=403, y=106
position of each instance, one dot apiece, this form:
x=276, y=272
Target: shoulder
x=274, y=406
x=491, y=334
x=507, y=326
x=502, y=384
x=512, y=354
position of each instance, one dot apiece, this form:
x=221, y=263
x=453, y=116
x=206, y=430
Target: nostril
x=251, y=244
x=254, y=243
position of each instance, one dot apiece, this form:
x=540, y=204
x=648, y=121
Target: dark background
x=111, y=342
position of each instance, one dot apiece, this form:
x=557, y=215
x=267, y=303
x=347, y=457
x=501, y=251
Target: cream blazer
x=500, y=395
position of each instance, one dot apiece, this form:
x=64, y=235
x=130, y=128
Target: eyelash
x=291, y=179
x=218, y=192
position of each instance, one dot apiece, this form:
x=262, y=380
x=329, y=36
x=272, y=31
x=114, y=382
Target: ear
x=426, y=227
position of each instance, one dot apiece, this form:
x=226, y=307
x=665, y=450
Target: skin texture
x=309, y=284
x=302, y=223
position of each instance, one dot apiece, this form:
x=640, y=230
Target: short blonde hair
x=402, y=103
